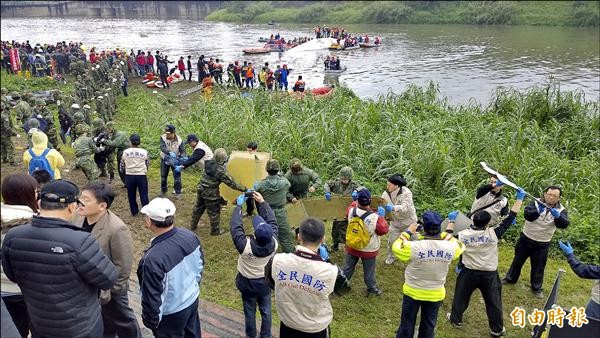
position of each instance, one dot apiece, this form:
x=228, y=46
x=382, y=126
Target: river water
x=468, y=62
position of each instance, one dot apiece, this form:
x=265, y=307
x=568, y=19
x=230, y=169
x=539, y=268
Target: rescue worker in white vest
x=401, y=209
x=172, y=145
x=489, y=198
x=255, y=252
x=424, y=278
x=541, y=221
x=303, y=282
x=587, y=271
x=480, y=270
x=200, y=154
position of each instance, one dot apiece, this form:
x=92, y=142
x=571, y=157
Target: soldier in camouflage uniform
x=209, y=197
x=46, y=114
x=303, y=181
x=101, y=108
x=343, y=185
x=8, y=149
x=87, y=113
x=274, y=189
x=119, y=141
x=78, y=119
x=84, y=149
x=110, y=103
x=22, y=109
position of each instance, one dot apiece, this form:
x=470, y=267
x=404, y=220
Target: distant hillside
x=536, y=13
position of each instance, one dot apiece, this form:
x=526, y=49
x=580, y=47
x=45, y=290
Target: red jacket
x=93, y=58
x=141, y=60
x=150, y=59
x=181, y=65
x=381, y=228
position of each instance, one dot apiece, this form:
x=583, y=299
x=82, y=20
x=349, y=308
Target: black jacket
x=60, y=271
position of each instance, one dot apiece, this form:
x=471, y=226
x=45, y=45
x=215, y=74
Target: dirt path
x=216, y=320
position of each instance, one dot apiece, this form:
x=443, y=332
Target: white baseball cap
x=158, y=209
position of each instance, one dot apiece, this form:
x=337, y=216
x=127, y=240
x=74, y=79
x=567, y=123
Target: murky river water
x=467, y=62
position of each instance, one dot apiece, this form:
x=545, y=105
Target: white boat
x=352, y=47
x=335, y=71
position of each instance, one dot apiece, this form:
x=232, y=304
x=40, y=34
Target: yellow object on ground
x=246, y=168
x=323, y=209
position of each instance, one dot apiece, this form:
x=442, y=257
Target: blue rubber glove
x=241, y=199
x=354, y=195
x=521, y=194
x=541, y=208
x=328, y=196
x=452, y=215
x=178, y=168
x=172, y=154
x=555, y=213
x=381, y=211
x=389, y=207
x=566, y=247
x=499, y=183
x=323, y=252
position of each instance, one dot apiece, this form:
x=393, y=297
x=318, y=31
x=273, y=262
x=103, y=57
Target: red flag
x=15, y=61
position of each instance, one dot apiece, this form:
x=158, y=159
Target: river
x=468, y=62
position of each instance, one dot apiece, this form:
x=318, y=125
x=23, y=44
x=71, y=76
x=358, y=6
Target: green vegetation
x=537, y=13
x=538, y=137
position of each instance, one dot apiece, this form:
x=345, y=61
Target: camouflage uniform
x=209, y=197
x=84, y=149
x=119, y=141
x=101, y=108
x=87, y=113
x=301, y=179
x=109, y=104
x=22, y=110
x=8, y=149
x=40, y=109
x=338, y=231
x=78, y=119
x=274, y=189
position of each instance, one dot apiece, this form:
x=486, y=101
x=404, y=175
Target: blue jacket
x=169, y=274
x=284, y=74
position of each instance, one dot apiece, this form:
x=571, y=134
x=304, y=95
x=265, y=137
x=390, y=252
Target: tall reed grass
x=538, y=137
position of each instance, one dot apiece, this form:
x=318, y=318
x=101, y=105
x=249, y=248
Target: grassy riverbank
x=536, y=13
x=537, y=137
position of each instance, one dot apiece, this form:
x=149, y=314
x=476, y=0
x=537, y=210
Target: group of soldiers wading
x=94, y=137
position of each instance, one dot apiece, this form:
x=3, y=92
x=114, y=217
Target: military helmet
x=26, y=95
x=110, y=126
x=3, y=90
x=346, y=172
x=78, y=116
x=40, y=102
x=15, y=95
x=33, y=123
x=273, y=165
x=97, y=123
x=82, y=128
x=220, y=156
x=295, y=165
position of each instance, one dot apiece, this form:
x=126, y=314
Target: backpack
x=40, y=163
x=357, y=235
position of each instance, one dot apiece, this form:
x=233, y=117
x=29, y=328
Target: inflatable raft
x=335, y=71
x=368, y=45
x=256, y=50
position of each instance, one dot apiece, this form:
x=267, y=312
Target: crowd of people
x=73, y=282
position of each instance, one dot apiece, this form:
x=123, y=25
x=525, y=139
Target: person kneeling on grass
x=255, y=251
x=428, y=262
x=480, y=270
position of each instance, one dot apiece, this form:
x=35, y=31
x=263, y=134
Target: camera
x=249, y=194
